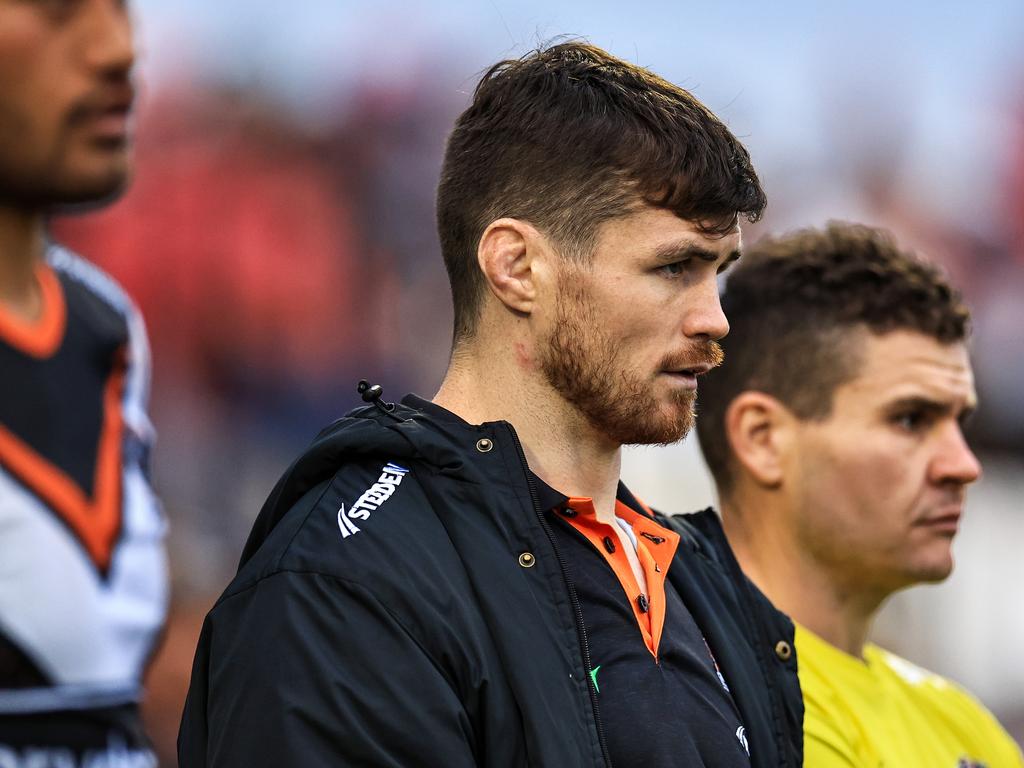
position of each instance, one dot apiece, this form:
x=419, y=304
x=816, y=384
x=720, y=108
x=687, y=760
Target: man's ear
x=507, y=255
x=759, y=430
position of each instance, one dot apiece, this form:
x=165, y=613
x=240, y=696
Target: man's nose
x=108, y=41
x=704, y=315
x=955, y=462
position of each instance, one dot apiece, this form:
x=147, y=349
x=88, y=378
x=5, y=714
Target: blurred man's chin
x=937, y=572
x=82, y=182
x=933, y=571
x=85, y=192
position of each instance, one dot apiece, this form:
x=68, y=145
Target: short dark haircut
x=568, y=137
x=792, y=303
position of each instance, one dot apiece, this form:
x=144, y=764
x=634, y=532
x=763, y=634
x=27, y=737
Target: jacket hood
x=414, y=429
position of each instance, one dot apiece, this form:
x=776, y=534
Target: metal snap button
x=484, y=445
x=783, y=650
x=527, y=560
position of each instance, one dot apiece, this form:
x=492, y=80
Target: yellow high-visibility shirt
x=884, y=712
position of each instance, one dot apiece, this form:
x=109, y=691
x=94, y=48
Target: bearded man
x=83, y=572
x=464, y=581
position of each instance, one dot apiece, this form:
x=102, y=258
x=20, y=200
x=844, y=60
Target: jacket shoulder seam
x=277, y=568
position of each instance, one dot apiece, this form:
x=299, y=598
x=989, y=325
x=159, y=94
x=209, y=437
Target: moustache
x=701, y=353
x=114, y=97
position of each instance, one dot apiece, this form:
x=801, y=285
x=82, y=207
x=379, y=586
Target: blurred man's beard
x=53, y=182
x=60, y=195
x=591, y=371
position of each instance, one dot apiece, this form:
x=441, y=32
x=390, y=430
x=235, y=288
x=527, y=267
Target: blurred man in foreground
x=465, y=582
x=834, y=434
x=82, y=572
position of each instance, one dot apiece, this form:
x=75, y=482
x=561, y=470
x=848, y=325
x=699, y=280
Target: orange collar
x=41, y=337
x=655, y=548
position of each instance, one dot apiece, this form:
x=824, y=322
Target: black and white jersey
x=83, y=572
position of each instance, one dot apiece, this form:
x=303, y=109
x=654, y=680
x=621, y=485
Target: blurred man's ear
x=508, y=257
x=759, y=429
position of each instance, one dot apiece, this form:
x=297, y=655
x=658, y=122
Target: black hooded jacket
x=400, y=602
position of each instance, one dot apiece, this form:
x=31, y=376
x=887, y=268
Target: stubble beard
x=49, y=182
x=587, y=367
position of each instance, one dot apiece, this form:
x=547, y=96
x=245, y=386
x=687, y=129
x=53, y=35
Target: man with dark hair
x=465, y=581
x=83, y=587
x=834, y=434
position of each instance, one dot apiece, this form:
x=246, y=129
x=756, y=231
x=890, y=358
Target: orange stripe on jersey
x=42, y=337
x=96, y=521
x=656, y=546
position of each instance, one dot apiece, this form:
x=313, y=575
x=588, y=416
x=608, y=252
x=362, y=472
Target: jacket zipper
x=573, y=598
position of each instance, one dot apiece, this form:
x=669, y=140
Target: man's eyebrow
x=934, y=407
x=673, y=253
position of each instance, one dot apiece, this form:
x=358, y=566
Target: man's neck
x=22, y=244
x=489, y=383
x=794, y=581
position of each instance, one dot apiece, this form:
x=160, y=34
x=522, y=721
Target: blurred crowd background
x=279, y=238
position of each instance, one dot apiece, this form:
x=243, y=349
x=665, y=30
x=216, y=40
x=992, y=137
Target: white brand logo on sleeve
x=390, y=478
x=741, y=734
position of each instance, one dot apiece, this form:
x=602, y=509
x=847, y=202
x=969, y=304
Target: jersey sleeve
x=312, y=670
x=979, y=728
x=135, y=402
x=1003, y=751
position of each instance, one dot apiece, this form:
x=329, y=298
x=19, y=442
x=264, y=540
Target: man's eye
x=58, y=7
x=911, y=421
x=673, y=269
